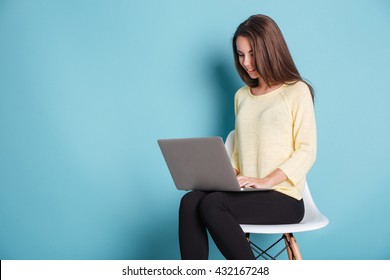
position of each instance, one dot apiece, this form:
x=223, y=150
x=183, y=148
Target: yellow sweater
x=276, y=130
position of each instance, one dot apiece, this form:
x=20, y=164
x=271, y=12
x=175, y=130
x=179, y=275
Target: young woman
x=275, y=146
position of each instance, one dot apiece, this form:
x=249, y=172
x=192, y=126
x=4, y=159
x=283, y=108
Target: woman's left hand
x=255, y=183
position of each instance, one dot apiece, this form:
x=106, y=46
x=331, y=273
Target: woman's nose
x=248, y=61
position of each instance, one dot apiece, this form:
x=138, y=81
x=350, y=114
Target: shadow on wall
x=226, y=82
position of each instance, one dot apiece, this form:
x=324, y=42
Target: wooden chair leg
x=295, y=248
x=292, y=247
x=288, y=248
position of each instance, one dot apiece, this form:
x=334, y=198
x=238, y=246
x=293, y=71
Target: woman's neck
x=263, y=88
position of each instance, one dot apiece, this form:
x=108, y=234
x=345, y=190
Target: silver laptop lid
x=199, y=164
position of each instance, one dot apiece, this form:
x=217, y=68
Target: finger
x=243, y=184
x=247, y=184
x=241, y=178
x=242, y=181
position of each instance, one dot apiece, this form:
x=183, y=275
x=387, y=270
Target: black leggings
x=222, y=212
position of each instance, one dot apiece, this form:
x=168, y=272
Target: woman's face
x=246, y=56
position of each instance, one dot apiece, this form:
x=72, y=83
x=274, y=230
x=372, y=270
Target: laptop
x=200, y=164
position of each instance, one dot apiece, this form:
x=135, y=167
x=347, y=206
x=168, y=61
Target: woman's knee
x=212, y=204
x=191, y=199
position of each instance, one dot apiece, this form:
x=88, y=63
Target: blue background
x=87, y=87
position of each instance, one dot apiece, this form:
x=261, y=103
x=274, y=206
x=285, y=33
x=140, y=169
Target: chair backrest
x=229, y=142
x=311, y=211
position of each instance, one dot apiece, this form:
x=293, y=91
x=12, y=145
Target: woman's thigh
x=257, y=207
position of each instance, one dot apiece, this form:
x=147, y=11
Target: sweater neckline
x=271, y=93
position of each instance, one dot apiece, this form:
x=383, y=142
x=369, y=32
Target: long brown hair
x=272, y=57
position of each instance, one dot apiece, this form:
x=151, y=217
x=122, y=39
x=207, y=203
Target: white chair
x=312, y=220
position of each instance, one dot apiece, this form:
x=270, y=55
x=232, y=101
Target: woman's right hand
x=255, y=183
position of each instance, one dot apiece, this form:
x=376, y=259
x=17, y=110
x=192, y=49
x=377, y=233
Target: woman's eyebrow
x=250, y=51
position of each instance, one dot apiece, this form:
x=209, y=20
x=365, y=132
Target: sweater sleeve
x=304, y=135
